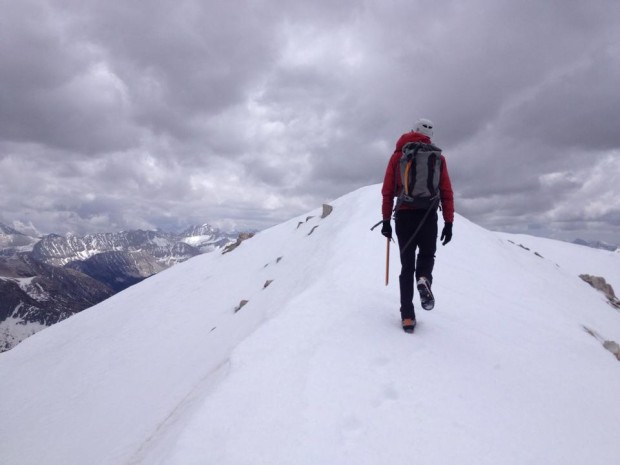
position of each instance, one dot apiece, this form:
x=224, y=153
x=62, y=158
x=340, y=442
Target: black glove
x=446, y=233
x=386, y=229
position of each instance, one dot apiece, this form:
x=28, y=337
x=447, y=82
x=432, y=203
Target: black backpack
x=420, y=169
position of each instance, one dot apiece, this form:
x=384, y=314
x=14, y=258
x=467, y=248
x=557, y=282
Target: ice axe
x=387, y=262
x=387, y=255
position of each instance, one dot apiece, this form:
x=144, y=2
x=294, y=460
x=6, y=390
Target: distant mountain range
x=44, y=280
x=597, y=245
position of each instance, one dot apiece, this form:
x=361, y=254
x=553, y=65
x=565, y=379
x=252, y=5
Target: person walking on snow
x=415, y=220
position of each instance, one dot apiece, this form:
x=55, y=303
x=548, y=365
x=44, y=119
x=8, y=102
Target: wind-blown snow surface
x=315, y=368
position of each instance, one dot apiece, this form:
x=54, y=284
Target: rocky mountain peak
x=202, y=230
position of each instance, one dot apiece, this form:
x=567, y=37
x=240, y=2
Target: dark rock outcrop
x=600, y=284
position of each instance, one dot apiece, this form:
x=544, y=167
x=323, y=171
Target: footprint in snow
x=387, y=393
x=351, y=426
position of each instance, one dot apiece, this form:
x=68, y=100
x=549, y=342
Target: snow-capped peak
x=202, y=230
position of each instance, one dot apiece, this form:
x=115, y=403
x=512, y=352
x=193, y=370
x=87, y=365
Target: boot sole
x=426, y=297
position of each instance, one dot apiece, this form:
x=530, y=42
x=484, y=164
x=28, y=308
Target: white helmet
x=424, y=126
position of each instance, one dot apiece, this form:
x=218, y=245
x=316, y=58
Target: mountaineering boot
x=408, y=325
x=426, y=296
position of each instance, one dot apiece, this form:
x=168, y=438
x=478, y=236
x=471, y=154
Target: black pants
x=424, y=243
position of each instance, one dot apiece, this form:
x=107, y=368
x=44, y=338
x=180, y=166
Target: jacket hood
x=411, y=136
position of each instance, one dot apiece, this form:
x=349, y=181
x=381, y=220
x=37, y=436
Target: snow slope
x=577, y=259
x=315, y=369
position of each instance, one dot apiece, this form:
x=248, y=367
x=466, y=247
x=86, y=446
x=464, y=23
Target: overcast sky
x=160, y=114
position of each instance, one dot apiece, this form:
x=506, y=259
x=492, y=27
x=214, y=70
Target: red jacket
x=392, y=182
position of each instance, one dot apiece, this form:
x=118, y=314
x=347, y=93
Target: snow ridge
x=314, y=368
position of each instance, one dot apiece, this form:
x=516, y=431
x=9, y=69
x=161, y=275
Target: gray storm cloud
x=117, y=115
